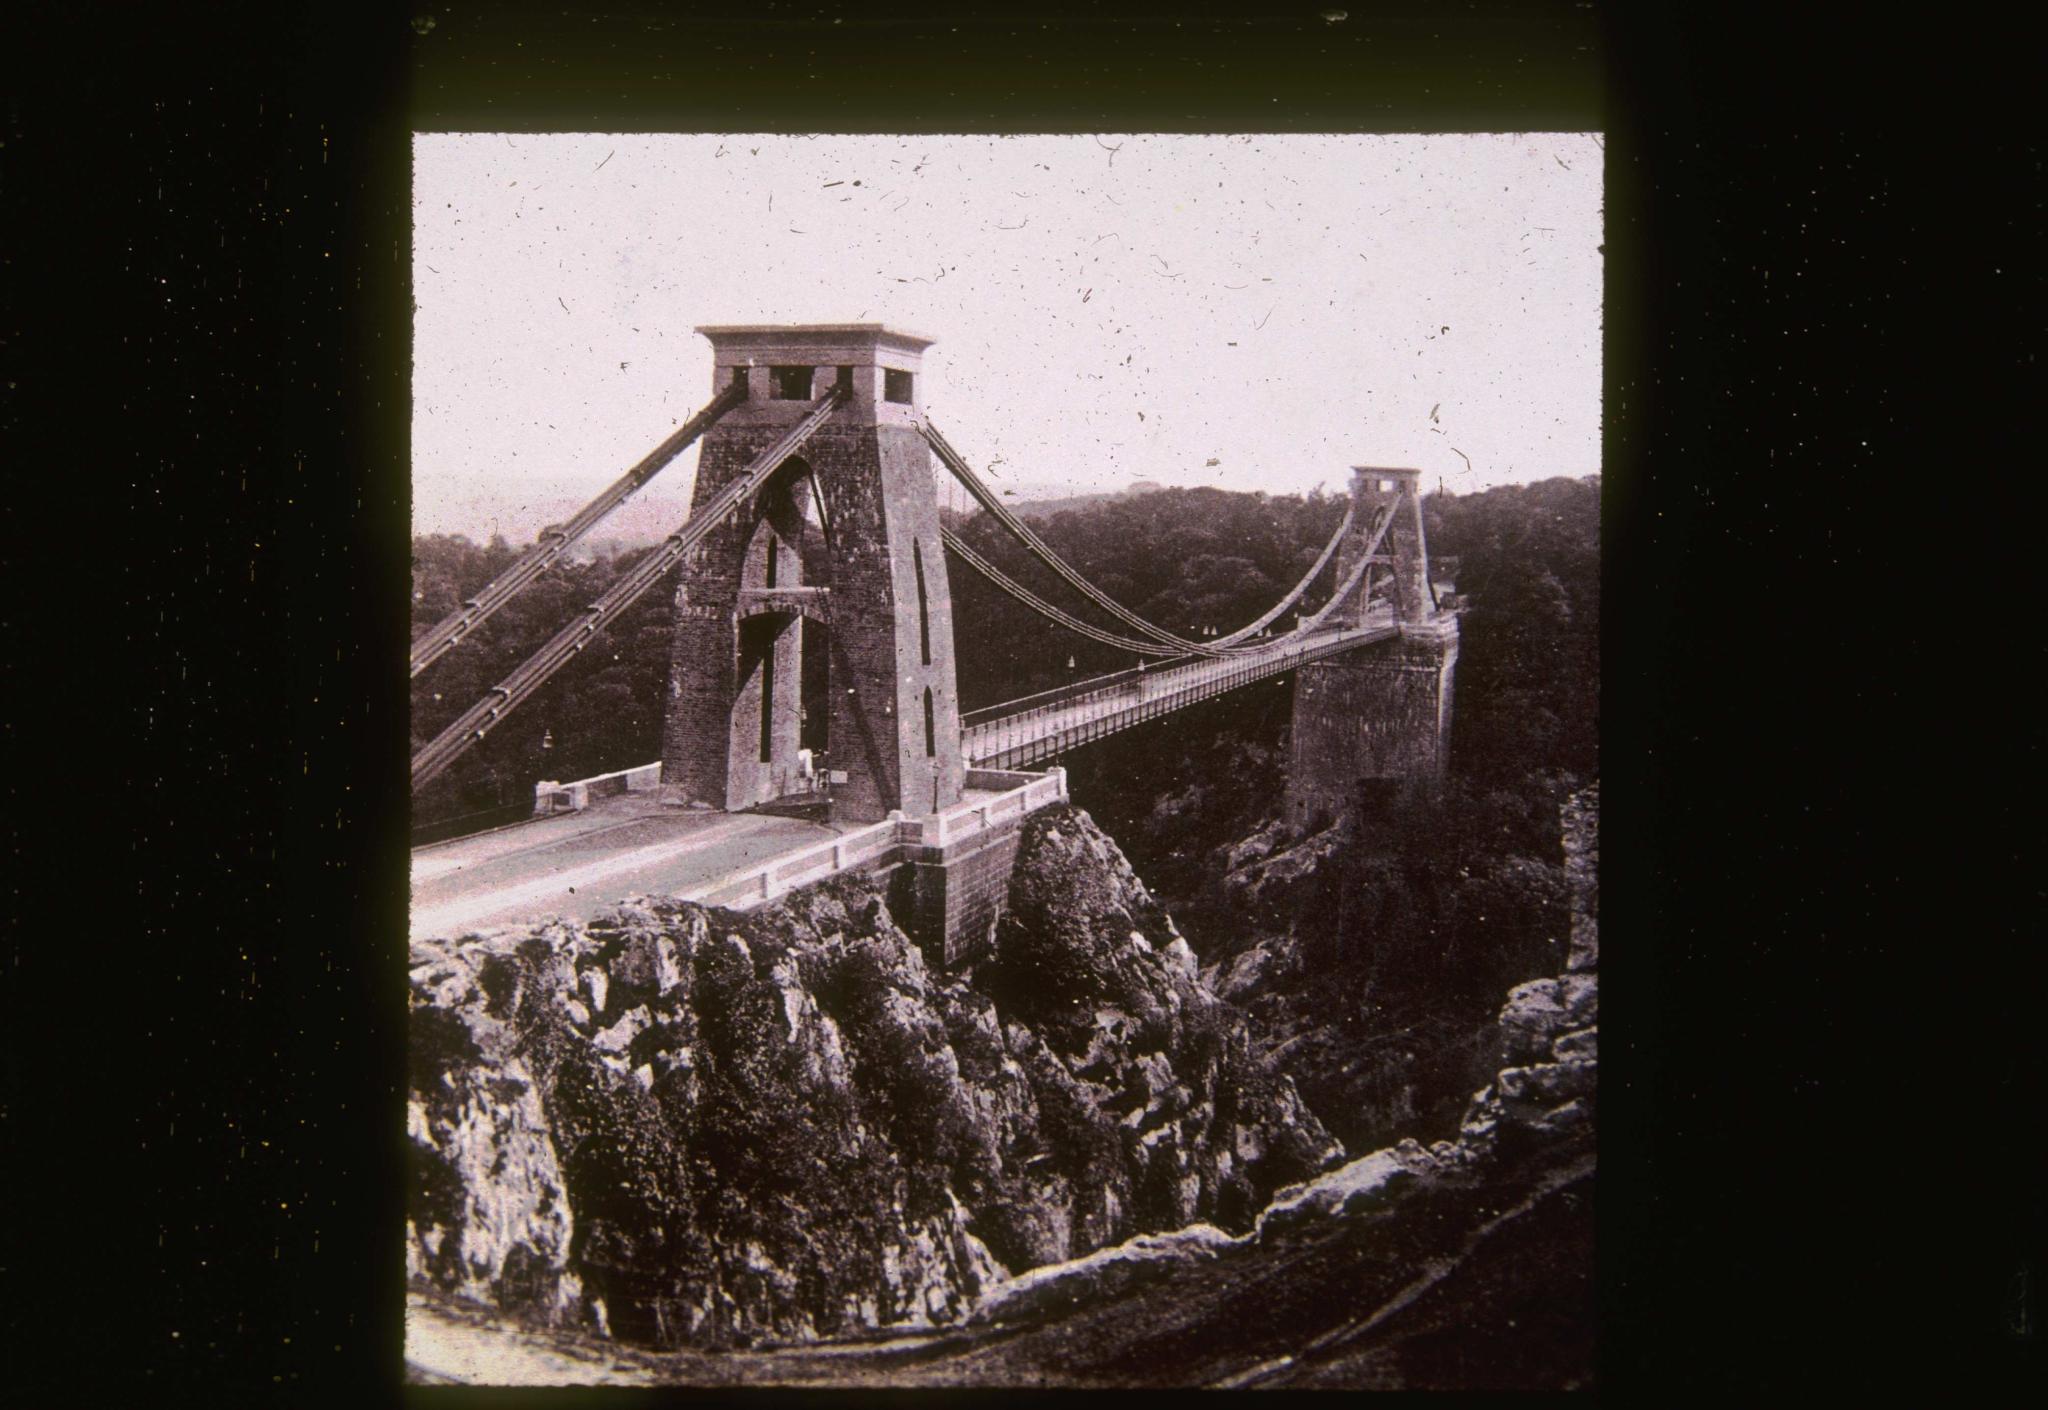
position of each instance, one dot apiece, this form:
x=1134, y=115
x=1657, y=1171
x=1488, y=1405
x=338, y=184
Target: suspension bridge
x=815, y=526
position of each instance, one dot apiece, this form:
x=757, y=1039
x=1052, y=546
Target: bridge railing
x=766, y=880
x=967, y=819
x=550, y=796
x=1114, y=703
x=874, y=844
x=1145, y=694
x=1061, y=693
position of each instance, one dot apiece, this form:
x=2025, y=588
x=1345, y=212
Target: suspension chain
x=488, y=712
x=449, y=632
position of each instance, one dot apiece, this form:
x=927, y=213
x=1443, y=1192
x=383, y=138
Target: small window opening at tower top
x=791, y=383
x=895, y=385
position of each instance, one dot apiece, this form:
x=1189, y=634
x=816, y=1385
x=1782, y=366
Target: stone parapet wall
x=550, y=796
x=952, y=869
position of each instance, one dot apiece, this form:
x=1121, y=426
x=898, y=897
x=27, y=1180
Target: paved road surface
x=578, y=865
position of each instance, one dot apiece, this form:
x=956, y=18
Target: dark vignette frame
x=214, y=1127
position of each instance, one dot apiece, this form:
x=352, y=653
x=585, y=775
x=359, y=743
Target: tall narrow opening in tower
x=924, y=616
x=762, y=705
x=814, y=723
x=768, y=707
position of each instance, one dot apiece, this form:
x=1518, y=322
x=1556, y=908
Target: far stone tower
x=1382, y=713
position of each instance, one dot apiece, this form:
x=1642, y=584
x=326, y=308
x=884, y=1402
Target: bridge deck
x=579, y=865
x=1029, y=735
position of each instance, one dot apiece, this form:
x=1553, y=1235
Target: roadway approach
x=579, y=865
x=582, y=864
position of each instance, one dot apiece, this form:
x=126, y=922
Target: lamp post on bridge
x=545, y=753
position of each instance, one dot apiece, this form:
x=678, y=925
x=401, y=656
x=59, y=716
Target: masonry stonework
x=884, y=611
x=1382, y=712
x=843, y=541
x=953, y=897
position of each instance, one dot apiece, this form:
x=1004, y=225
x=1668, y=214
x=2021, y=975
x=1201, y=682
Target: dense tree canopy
x=1185, y=560
x=603, y=711
x=1528, y=689
x=1527, y=566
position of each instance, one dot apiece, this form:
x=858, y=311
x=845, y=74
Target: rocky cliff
x=1371, y=957
x=1526, y=1137
x=690, y=1126
x=1462, y=1263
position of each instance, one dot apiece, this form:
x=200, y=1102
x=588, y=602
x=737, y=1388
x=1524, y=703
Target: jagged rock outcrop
x=1582, y=873
x=1189, y=1123
x=685, y=1125
x=1259, y=869
x=1542, y=1101
x=488, y=1217
x=1371, y=956
x=1549, y=1028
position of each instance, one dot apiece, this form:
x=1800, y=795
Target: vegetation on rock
x=1371, y=959
x=705, y=1127
x=783, y=1124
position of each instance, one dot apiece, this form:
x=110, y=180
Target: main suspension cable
x=1038, y=546
x=1039, y=605
x=488, y=712
x=1074, y=624
x=1358, y=572
x=1025, y=535
x=449, y=632
x=1301, y=587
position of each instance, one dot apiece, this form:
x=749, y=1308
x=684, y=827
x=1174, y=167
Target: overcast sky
x=1287, y=306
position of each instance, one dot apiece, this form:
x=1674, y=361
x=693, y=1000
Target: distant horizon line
x=1039, y=493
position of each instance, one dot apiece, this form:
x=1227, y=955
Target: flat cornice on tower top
x=797, y=334
x=1384, y=470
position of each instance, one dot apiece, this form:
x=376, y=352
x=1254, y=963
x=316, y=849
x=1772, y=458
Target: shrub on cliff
x=782, y=1123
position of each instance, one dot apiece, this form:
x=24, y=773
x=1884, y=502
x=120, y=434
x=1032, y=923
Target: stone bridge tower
x=1382, y=712
x=839, y=552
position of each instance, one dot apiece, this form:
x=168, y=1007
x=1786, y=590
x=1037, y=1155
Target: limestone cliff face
x=1536, y=1114
x=695, y=1126
x=1549, y=1029
x=1168, y=1116
x=1371, y=957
